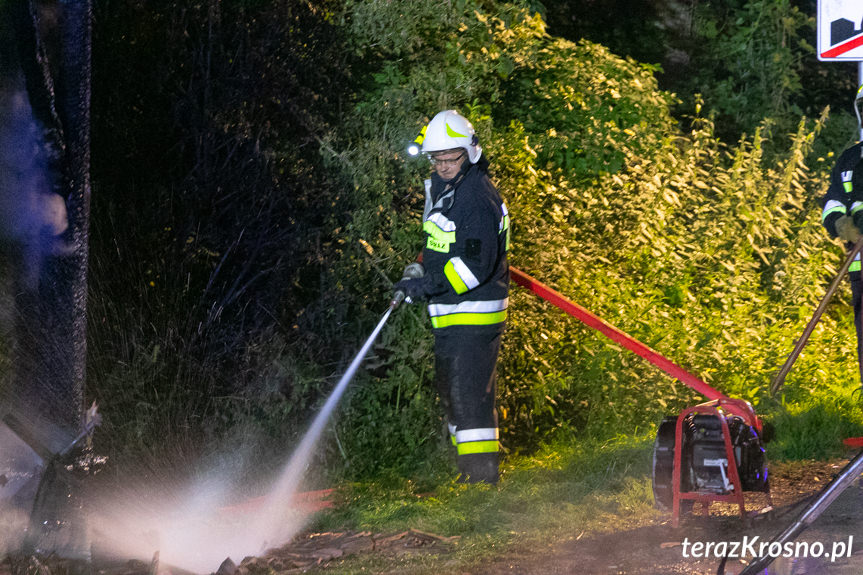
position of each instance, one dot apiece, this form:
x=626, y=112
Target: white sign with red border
x=840, y=30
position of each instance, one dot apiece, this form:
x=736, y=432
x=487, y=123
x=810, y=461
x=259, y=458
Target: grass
x=814, y=425
x=562, y=491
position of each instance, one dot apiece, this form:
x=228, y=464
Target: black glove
x=415, y=289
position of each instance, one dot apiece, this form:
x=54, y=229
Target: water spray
x=289, y=482
x=198, y=529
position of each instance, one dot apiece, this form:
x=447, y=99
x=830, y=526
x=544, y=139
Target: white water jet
x=287, y=485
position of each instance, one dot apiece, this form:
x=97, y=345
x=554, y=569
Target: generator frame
x=719, y=408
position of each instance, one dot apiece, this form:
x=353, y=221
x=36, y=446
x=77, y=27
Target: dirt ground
x=657, y=548
x=651, y=548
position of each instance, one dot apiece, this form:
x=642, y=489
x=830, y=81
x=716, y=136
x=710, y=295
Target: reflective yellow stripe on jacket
x=468, y=313
x=441, y=232
x=459, y=275
x=504, y=225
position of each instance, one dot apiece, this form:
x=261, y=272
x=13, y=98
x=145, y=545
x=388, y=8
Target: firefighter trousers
x=466, y=380
x=857, y=302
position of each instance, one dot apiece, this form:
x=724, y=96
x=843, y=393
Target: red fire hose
x=732, y=405
x=735, y=406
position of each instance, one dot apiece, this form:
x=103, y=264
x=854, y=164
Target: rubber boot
x=479, y=468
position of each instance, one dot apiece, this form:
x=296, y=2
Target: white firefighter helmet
x=449, y=130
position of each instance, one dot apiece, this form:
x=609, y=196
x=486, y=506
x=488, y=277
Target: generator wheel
x=663, y=463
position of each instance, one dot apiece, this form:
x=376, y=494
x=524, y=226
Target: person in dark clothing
x=466, y=283
x=842, y=217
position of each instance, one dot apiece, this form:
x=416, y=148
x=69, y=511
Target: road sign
x=840, y=30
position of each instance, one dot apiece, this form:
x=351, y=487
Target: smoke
x=193, y=525
x=32, y=214
x=194, y=528
x=13, y=522
x=33, y=219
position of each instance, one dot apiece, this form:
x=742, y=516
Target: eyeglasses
x=445, y=162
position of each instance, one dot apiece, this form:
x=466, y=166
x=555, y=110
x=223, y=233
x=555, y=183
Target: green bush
x=712, y=254
x=718, y=265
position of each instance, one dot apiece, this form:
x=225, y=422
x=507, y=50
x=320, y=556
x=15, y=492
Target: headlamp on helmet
x=414, y=147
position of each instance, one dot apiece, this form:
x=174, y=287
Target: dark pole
x=53, y=63
x=70, y=272
x=54, y=46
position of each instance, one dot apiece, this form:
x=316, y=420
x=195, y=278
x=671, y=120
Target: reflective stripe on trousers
x=468, y=313
x=477, y=440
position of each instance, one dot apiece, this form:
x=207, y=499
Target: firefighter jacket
x=845, y=194
x=467, y=236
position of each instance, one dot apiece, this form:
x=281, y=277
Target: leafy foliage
x=718, y=265
x=504, y=72
x=750, y=60
x=764, y=57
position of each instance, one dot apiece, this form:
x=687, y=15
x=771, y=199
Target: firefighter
x=466, y=284
x=842, y=215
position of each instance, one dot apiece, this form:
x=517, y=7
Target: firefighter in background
x=842, y=215
x=466, y=283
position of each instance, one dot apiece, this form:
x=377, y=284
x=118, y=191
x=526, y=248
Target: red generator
x=692, y=452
